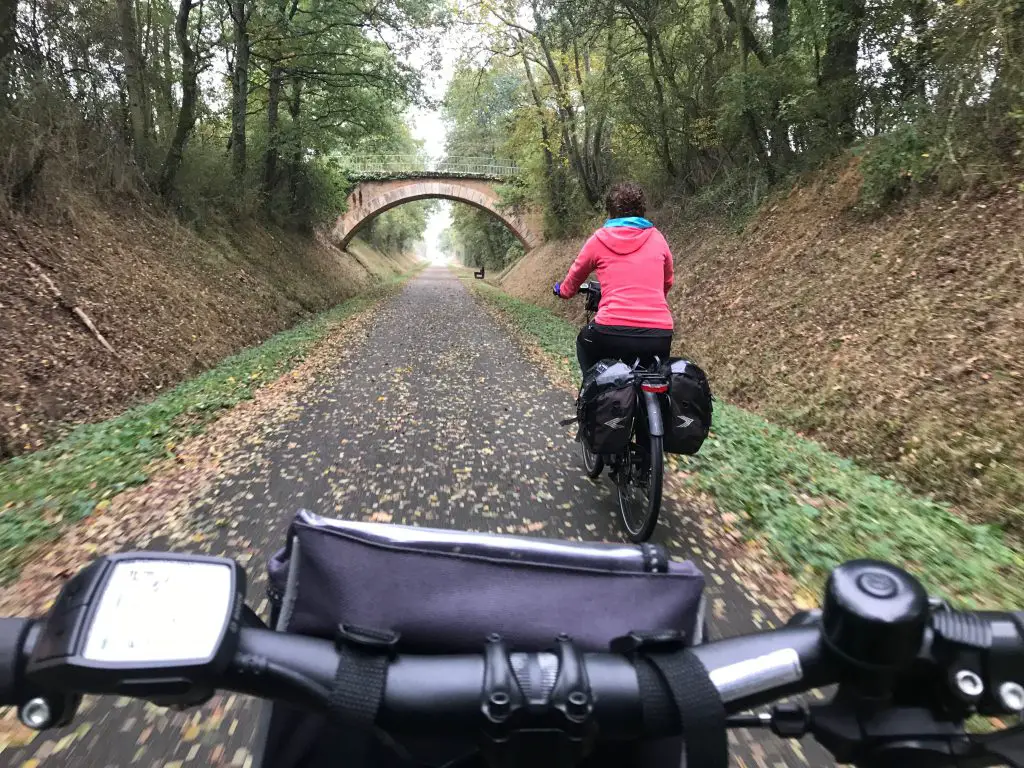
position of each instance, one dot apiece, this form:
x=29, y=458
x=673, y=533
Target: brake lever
x=908, y=738
x=1005, y=747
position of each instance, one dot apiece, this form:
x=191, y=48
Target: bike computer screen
x=144, y=623
x=160, y=611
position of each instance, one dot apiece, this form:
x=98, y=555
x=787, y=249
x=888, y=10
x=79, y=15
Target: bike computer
x=146, y=624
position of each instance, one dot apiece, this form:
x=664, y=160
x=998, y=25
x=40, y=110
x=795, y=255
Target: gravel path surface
x=435, y=418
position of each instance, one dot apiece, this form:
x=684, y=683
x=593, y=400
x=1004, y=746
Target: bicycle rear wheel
x=593, y=463
x=638, y=485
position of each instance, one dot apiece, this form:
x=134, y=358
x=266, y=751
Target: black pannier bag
x=607, y=406
x=689, y=407
x=445, y=592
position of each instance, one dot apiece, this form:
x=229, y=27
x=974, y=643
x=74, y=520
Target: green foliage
x=355, y=178
x=480, y=239
x=321, y=82
x=481, y=109
x=396, y=231
x=680, y=94
x=734, y=197
x=895, y=164
x=43, y=491
x=514, y=253
x=816, y=509
x=326, y=187
x=811, y=508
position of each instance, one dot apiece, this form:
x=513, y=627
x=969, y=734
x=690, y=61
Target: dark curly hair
x=625, y=199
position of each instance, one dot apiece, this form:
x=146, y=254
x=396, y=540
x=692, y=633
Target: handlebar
x=592, y=290
x=908, y=671
x=428, y=694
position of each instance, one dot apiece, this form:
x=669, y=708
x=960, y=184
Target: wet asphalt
x=435, y=418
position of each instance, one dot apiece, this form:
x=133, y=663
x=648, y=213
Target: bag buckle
x=646, y=642
x=368, y=639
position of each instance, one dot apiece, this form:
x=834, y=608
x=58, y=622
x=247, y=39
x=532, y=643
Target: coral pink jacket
x=634, y=266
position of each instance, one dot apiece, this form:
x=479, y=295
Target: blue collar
x=636, y=222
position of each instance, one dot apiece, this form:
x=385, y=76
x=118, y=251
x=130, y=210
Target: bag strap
x=355, y=697
x=701, y=710
x=662, y=660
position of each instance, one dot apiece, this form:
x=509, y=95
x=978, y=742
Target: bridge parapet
x=426, y=166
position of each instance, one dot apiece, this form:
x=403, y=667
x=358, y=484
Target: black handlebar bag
x=445, y=592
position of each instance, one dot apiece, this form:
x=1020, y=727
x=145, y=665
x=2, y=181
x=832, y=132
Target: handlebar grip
x=13, y=632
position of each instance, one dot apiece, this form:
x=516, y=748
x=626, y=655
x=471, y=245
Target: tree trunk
x=910, y=63
x=167, y=84
x=747, y=37
x=1008, y=85
x=567, y=122
x=8, y=34
x=275, y=84
x=749, y=118
x=710, y=72
x=133, y=74
x=1011, y=63
x=669, y=74
x=593, y=119
x=494, y=261
x=587, y=155
x=839, y=87
x=33, y=59
x=295, y=169
x=556, y=200
x=189, y=99
x=778, y=15
x=566, y=114
x=142, y=34
x=8, y=28
x=158, y=82
x=239, y=85
x=273, y=129
x=920, y=15
x=597, y=153
x=659, y=92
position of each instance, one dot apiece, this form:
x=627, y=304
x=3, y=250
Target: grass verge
x=44, y=491
x=811, y=508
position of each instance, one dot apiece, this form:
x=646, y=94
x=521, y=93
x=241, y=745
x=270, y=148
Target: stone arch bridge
x=387, y=181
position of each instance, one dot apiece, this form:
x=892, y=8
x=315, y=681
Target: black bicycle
x=637, y=471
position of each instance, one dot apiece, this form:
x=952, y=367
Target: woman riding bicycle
x=634, y=267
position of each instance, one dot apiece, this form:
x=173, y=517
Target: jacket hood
x=624, y=239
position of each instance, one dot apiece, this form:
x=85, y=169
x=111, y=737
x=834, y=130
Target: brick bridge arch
x=372, y=197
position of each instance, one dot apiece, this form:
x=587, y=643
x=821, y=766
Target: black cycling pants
x=594, y=344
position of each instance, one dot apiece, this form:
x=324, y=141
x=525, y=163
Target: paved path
x=436, y=419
